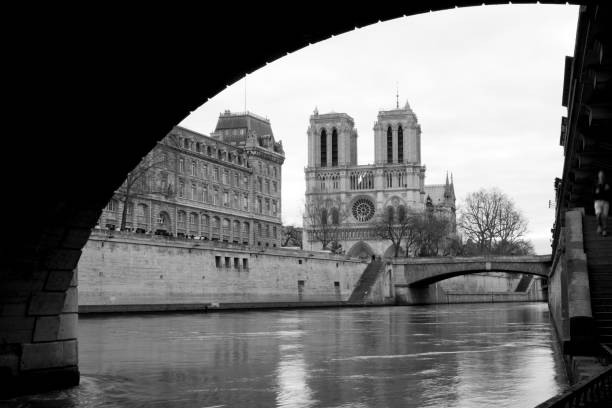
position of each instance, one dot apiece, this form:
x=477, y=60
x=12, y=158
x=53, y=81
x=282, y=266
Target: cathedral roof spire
x=396, y=95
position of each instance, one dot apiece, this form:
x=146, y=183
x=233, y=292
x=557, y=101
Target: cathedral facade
x=357, y=196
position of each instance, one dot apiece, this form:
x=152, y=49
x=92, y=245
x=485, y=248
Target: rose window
x=363, y=209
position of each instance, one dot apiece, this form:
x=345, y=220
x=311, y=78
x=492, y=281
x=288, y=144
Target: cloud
x=485, y=83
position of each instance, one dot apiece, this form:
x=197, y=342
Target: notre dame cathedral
x=394, y=184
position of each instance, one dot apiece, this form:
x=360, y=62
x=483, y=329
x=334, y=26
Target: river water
x=476, y=355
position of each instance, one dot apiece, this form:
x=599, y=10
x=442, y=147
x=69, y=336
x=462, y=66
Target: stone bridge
x=419, y=272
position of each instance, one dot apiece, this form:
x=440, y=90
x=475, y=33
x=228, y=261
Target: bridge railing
x=597, y=389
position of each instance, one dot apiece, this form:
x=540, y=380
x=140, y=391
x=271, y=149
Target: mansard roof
x=243, y=120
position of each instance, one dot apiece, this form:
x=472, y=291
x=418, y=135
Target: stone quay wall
x=132, y=272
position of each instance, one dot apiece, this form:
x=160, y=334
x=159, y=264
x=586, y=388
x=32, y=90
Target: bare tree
x=292, y=236
x=397, y=229
x=431, y=232
x=139, y=181
x=324, y=217
x=492, y=223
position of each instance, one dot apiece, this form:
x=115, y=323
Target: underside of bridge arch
x=94, y=95
x=447, y=275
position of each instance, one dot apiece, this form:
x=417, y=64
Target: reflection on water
x=481, y=355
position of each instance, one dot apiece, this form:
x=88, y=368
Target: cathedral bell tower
x=397, y=137
x=332, y=140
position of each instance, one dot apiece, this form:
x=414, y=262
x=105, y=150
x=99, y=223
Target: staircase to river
x=366, y=281
x=598, y=251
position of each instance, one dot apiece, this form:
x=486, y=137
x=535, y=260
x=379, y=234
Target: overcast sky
x=485, y=83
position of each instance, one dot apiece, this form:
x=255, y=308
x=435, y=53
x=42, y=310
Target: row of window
x=267, y=190
x=328, y=181
x=228, y=177
x=213, y=151
x=267, y=169
x=214, y=195
x=226, y=262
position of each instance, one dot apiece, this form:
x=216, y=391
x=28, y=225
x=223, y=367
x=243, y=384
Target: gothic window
x=401, y=213
x=390, y=214
x=323, y=148
x=400, y=144
x=334, y=147
x=363, y=209
x=323, y=216
x=389, y=145
x=335, y=216
x=193, y=168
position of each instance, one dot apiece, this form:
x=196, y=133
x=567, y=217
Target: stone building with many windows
x=357, y=195
x=223, y=187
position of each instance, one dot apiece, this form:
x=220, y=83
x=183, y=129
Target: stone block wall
x=128, y=269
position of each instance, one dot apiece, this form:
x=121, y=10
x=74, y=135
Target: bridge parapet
x=475, y=259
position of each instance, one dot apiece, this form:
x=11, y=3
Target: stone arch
x=361, y=250
x=394, y=201
x=390, y=252
x=75, y=208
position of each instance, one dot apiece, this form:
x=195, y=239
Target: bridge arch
x=44, y=249
x=361, y=250
x=423, y=272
